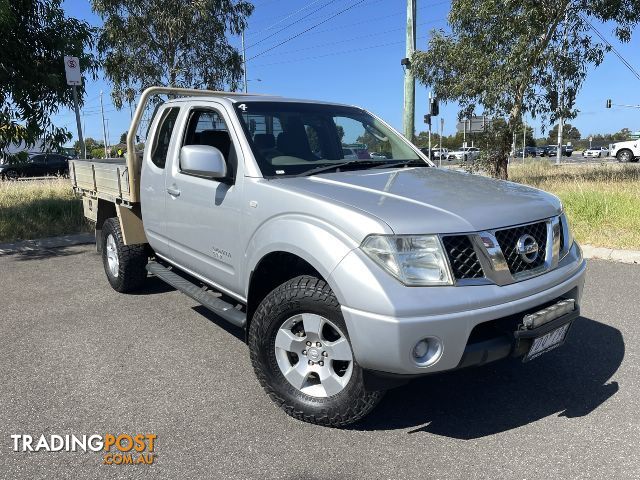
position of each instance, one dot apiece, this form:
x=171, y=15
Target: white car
x=440, y=153
x=626, y=151
x=466, y=153
x=598, y=152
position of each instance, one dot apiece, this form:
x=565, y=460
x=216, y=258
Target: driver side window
x=207, y=127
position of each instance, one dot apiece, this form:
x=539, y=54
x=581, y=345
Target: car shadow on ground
x=570, y=381
x=44, y=254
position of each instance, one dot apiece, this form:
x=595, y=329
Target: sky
x=354, y=58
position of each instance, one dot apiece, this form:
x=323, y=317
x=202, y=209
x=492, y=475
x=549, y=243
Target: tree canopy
x=35, y=35
x=180, y=43
x=507, y=58
x=569, y=132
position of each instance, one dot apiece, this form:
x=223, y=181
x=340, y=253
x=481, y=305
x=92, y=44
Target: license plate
x=547, y=342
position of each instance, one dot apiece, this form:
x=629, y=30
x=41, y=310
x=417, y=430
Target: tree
x=123, y=137
x=569, y=132
x=35, y=35
x=90, y=144
x=179, y=43
x=507, y=57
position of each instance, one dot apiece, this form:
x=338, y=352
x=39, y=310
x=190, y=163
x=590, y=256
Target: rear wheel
x=302, y=356
x=125, y=265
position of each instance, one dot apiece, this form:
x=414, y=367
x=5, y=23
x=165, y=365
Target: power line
x=617, y=54
x=383, y=17
x=308, y=29
x=291, y=24
x=284, y=18
x=375, y=34
x=355, y=50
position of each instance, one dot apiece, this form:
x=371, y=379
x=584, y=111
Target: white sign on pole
x=72, y=69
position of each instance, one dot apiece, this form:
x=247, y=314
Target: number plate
x=547, y=342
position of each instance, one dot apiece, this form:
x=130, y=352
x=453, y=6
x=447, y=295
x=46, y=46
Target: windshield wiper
x=402, y=163
x=336, y=166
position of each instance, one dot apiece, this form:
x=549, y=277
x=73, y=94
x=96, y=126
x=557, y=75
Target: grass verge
x=40, y=208
x=601, y=200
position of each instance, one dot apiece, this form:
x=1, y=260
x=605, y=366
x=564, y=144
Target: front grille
x=508, y=240
x=462, y=257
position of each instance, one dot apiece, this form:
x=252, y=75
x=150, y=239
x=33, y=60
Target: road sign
x=474, y=124
x=72, y=69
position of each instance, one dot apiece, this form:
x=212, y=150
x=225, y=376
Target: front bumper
x=385, y=319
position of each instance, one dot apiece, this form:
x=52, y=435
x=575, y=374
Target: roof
x=243, y=97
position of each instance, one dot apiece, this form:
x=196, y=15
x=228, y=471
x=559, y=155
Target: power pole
x=104, y=129
x=409, y=78
x=244, y=63
x=431, y=119
x=524, y=138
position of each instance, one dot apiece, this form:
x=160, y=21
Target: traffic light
x=427, y=119
x=609, y=103
x=434, y=107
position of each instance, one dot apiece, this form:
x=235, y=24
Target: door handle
x=174, y=192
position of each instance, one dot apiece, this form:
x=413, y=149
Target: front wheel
x=624, y=156
x=125, y=265
x=302, y=356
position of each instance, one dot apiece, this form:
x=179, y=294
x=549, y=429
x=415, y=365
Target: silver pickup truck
x=348, y=275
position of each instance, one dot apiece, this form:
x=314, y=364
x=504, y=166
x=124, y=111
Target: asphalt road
x=78, y=358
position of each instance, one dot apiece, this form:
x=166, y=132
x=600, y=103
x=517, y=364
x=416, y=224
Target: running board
x=206, y=298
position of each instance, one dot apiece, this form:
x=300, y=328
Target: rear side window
x=163, y=137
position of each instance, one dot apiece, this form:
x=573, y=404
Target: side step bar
x=207, y=299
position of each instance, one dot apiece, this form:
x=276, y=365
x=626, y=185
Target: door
x=153, y=194
x=36, y=166
x=204, y=214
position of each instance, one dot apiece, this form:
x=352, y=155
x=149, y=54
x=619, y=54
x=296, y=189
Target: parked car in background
x=378, y=156
x=38, y=165
x=440, y=153
x=351, y=153
x=531, y=152
x=552, y=150
x=598, y=152
x=465, y=153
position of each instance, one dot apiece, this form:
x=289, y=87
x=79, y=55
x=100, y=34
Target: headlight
x=566, y=235
x=415, y=260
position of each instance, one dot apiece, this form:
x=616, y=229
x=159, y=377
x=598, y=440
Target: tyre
x=625, y=156
x=11, y=175
x=123, y=264
x=302, y=356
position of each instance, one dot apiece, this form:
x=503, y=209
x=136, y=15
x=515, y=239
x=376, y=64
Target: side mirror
x=203, y=160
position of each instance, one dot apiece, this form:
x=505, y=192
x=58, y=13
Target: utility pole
x=244, y=63
x=441, y=132
x=104, y=129
x=430, y=120
x=524, y=138
x=408, y=118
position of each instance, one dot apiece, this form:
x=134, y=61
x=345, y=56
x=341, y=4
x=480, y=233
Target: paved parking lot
x=76, y=357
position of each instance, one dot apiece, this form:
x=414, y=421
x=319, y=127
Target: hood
x=429, y=200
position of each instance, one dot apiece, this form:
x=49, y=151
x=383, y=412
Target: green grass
x=36, y=209
x=602, y=201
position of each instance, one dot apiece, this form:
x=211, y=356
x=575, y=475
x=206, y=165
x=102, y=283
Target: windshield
x=293, y=138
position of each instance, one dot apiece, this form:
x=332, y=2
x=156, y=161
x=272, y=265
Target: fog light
x=421, y=349
x=427, y=351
